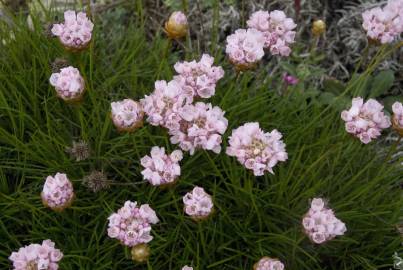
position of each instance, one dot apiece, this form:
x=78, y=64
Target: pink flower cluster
x=255, y=149
x=163, y=105
x=160, y=168
x=187, y=268
x=36, y=256
x=397, y=109
x=320, y=223
x=267, y=263
x=276, y=29
x=198, y=79
x=365, y=120
x=57, y=192
x=131, y=225
x=384, y=24
x=200, y=126
x=126, y=114
x=245, y=47
x=75, y=33
x=68, y=83
x=198, y=204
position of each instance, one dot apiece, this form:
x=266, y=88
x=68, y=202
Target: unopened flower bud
x=177, y=25
x=318, y=27
x=397, y=118
x=140, y=253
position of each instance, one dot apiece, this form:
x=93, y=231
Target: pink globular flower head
x=69, y=84
x=162, y=106
x=187, y=268
x=255, y=149
x=177, y=25
x=127, y=115
x=198, y=204
x=37, y=256
x=198, y=79
x=397, y=119
x=267, y=263
x=320, y=224
x=245, y=48
x=384, y=25
x=76, y=31
x=131, y=225
x=365, y=120
x=200, y=127
x=276, y=28
x=160, y=168
x=57, y=193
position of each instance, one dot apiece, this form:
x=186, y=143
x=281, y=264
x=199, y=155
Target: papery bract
x=177, y=25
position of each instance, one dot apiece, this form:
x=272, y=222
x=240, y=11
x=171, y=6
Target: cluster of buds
x=127, y=115
x=57, y=193
x=397, y=118
x=320, y=223
x=267, y=263
x=318, y=27
x=37, y=257
x=198, y=204
x=69, y=84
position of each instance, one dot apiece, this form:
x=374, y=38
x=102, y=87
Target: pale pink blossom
x=255, y=149
x=76, y=30
x=131, y=225
x=276, y=28
x=37, y=257
x=68, y=83
x=245, y=47
x=187, y=268
x=162, y=106
x=198, y=204
x=200, y=127
x=57, y=192
x=127, y=114
x=365, y=120
x=397, y=108
x=320, y=223
x=267, y=263
x=198, y=79
x=384, y=25
x=160, y=168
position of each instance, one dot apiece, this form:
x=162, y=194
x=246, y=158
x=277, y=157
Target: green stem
x=392, y=150
x=363, y=58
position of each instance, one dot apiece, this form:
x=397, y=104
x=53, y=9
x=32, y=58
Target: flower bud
x=397, y=118
x=318, y=27
x=140, y=253
x=177, y=25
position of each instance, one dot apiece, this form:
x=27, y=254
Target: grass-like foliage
x=255, y=216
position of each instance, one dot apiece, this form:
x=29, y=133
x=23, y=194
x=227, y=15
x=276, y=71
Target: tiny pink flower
x=36, y=256
x=160, y=168
x=320, y=224
x=276, y=28
x=131, y=225
x=198, y=79
x=200, y=126
x=57, y=192
x=289, y=79
x=267, y=263
x=76, y=31
x=198, y=204
x=69, y=84
x=255, y=149
x=365, y=120
x=127, y=114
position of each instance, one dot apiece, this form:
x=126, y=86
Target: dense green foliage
x=256, y=216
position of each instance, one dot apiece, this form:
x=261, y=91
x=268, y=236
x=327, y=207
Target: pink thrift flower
x=198, y=79
x=397, y=119
x=245, y=48
x=187, y=268
x=384, y=25
x=131, y=225
x=267, y=263
x=255, y=149
x=365, y=120
x=68, y=83
x=162, y=106
x=198, y=204
x=76, y=31
x=276, y=29
x=37, y=256
x=160, y=168
x=57, y=192
x=127, y=114
x=320, y=223
x=289, y=79
x=200, y=126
